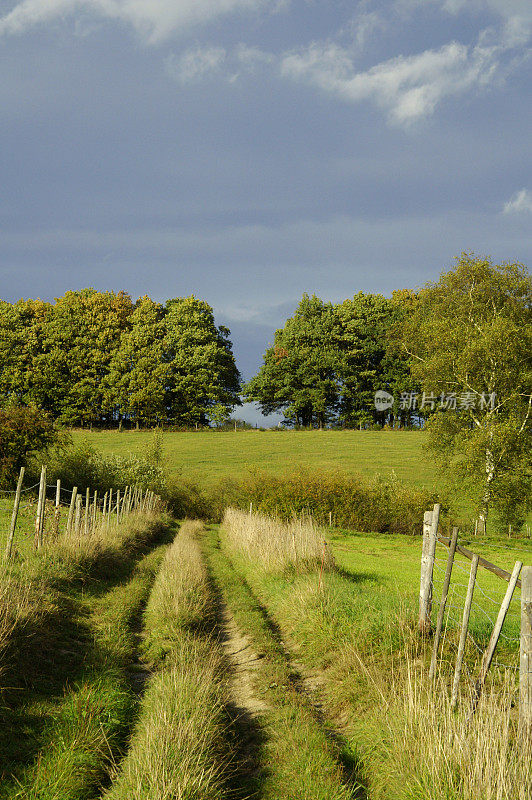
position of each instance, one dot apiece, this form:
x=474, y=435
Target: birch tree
x=469, y=339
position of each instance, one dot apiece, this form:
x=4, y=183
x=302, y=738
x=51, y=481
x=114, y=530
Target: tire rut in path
x=245, y=708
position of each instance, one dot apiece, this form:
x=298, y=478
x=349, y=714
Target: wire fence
x=47, y=510
x=483, y=617
x=487, y=596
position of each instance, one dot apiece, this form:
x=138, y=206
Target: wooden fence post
x=430, y=536
x=86, y=517
x=72, y=506
x=443, y=602
x=490, y=650
x=463, y=630
x=525, y=664
x=117, y=506
x=94, y=509
x=57, y=513
x=14, y=516
x=39, y=519
x=79, y=501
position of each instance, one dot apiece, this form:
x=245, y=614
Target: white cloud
x=193, y=65
x=519, y=202
x=407, y=87
x=153, y=19
x=516, y=15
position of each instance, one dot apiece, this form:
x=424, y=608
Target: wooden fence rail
x=431, y=537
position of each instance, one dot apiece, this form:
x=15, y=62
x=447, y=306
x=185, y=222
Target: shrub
x=381, y=504
x=85, y=466
x=24, y=430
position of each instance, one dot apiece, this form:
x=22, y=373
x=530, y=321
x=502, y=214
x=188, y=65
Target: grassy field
x=206, y=456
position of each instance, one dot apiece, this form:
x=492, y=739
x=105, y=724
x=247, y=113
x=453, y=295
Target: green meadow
x=206, y=456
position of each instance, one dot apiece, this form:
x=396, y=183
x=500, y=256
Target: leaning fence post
x=427, y=568
x=39, y=519
x=490, y=650
x=14, y=516
x=70, y=517
x=443, y=602
x=464, y=629
x=525, y=664
x=57, y=513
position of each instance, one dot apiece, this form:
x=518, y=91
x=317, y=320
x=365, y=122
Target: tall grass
x=361, y=642
x=179, y=748
x=277, y=545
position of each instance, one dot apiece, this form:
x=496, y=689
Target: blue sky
x=246, y=151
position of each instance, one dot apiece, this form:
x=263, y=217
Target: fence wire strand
x=455, y=607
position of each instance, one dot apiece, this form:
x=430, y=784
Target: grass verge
x=358, y=638
x=297, y=756
x=67, y=698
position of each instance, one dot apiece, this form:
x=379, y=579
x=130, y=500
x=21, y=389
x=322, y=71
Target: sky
x=247, y=151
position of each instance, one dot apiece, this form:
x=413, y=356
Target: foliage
x=367, y=363
x=470, y=337
x=202, y=373
x=329, y=360
x=299, y=374
x=381, y=504
x=24, y=430
x=94, y=358
x=86, y=467
x=138, y=373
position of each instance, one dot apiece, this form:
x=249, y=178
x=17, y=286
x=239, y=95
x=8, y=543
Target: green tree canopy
x=138, y=372
x=469, y=340
x=202, y=373
x=299, y=375
x=93, y=357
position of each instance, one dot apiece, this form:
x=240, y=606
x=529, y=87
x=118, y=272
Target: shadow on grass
x=53, y=653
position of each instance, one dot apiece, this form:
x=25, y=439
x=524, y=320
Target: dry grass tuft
x=179, y=747
x=275, y=545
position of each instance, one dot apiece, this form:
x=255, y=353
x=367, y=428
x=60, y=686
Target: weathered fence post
x=39, y=519
x=430, y=535
x=104, y=507
x=94, y=509
x=72, y=506
x=57, y=513
x=79, y=501
x=525, y=664
x=14, y=516
x=490, y=650
x=109, y=507
x=463, y=630
x=117, y=506
x=443, y=602
x=86, y=517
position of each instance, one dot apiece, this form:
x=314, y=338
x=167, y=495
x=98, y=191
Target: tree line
x=456, y=354
x=98, y=358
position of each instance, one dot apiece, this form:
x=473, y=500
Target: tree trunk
x=486, y=499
